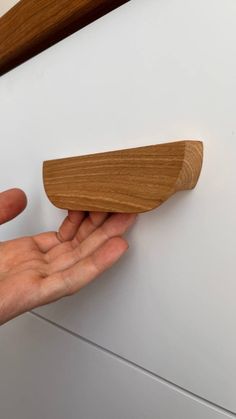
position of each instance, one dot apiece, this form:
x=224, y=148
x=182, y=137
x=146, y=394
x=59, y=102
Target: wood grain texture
x=33, y=25
x=132, y=180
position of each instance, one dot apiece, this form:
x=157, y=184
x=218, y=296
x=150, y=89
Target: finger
x=114, y=226
x=68, y=229
x=46, y=241
x=90, y=223
x=12, y=203
x=73, y=279
x=50, y=240
x=70, y=225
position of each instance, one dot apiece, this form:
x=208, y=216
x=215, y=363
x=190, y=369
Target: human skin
x=40, y=269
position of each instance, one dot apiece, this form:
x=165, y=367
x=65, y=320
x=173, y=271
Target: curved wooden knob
x=132, y=180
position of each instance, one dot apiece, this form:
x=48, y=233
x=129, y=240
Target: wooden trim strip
x=133, y=180
x=31, y=26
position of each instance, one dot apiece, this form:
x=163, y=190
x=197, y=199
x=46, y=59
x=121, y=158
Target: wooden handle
x=133, y=180
x=32, y=25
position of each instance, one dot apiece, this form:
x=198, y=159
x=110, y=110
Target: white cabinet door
x=149, y=72
x=47, y=373
x=6, y=5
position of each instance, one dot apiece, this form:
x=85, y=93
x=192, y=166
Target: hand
x=46, y=267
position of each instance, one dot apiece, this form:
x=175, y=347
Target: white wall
x=152, y=71
x=5, y=5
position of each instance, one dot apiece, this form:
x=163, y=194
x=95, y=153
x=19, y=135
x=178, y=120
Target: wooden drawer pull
x=132, y=180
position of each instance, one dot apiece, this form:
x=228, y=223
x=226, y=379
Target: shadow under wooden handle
x=132, y=180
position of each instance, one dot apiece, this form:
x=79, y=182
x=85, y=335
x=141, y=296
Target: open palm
x=43, y=268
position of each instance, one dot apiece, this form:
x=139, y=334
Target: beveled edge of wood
x=191, y=166
x=187, y=178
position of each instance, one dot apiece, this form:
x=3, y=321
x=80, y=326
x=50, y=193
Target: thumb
x=12, y=203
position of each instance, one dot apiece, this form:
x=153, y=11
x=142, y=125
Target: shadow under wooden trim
x=31, y=26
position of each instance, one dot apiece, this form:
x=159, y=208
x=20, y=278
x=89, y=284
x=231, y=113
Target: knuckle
x=68, y=285
x=104, y=232
x=95, y=265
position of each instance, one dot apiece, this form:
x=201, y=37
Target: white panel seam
x=164, y=381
